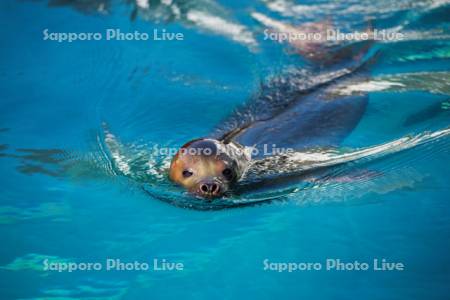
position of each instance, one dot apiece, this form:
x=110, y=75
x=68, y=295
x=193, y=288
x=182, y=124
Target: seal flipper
x=314, y=121
x=284, y=91
x=287, y=113
x=312, y=118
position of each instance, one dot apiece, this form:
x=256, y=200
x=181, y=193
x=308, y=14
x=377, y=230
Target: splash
x=299, y=162
x=220, y=26
x=302, y=171
x=432, y=82
x=366, y=8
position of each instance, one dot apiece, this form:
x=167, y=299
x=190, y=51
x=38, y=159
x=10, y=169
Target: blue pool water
x=62, y=200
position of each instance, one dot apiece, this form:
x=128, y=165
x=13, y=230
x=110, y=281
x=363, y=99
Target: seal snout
x=210, y=188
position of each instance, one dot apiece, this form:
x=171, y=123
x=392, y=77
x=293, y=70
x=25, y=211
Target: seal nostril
x=204, y=188
x=214, y=188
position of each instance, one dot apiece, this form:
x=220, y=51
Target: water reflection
x=204, y=15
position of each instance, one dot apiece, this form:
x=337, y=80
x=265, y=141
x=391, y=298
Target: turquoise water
x=64, y=200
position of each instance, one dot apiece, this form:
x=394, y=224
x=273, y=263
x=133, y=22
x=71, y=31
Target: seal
x=285, y=112
x=209, y=167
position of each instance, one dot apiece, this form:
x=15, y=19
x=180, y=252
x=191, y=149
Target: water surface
x=63, y=199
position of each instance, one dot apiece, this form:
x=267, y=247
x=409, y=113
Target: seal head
x=208, y=168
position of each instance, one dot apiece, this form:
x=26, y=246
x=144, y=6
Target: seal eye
x=187, y=173
x=227, y=173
